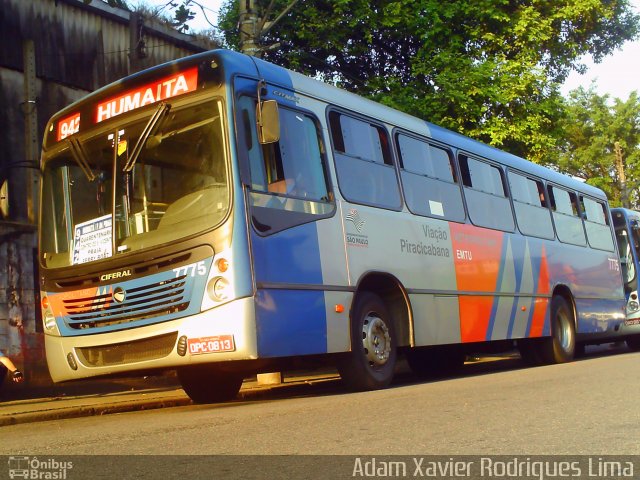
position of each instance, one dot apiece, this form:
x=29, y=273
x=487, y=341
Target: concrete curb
x=59, y=408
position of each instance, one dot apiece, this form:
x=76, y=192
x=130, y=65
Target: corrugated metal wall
x=78, y=48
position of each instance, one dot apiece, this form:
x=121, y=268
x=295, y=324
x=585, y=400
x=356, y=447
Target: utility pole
x=28, y=184
x=248, y=26
x=252, y=27
x=621, y=176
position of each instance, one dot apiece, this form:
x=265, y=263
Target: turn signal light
x=223, y=265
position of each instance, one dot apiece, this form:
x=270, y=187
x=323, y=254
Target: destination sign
x=156, y=91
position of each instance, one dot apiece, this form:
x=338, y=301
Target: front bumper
x=154, y=346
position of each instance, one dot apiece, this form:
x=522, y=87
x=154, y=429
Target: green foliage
x=181, y=15
x=591, y=129
x=489, y=69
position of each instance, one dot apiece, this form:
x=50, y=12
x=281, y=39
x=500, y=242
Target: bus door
x=290, y=205
x=628, y=238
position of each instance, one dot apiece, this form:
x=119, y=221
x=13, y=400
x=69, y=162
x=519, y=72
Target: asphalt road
x=585, y=407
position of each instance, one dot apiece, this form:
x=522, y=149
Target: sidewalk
x=117, y=396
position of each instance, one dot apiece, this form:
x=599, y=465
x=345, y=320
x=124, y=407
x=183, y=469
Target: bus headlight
x=632, y=306
x=48, y=318
x=49, y=321
x=219, y=287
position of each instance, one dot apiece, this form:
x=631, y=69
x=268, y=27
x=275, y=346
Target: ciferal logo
x=119, y=295
x=354, y=217
x=115, y=275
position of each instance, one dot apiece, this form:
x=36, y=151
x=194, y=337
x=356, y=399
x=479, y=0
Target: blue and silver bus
x=627, y=227
x=223, y=216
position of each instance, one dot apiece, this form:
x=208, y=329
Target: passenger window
x=566, y=216
x=530, y=205
x=484, y=190
x=596, y=222
x=429, y=179
x=364, y=163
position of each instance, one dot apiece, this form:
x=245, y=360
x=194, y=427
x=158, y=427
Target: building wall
x=77, y=48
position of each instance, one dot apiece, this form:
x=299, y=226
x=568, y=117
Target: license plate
x=220, y=343
x=635, y=321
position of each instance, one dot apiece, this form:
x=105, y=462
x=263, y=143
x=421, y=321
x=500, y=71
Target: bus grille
x=152, y=300
x=128, y=352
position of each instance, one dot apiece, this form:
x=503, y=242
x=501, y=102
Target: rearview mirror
x=268, y=120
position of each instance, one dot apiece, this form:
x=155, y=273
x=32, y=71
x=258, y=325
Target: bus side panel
x=291, y=322
x=439, y=322
x=515, y=267
x=595, y=315
x=290, y=316
x=594, y=281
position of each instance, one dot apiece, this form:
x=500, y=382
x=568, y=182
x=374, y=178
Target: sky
x=617, y=75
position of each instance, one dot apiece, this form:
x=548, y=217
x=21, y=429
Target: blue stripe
x=518, y=247
x=536, y=261
x=496, y=299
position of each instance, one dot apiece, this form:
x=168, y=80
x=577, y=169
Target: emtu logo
x=354, y=217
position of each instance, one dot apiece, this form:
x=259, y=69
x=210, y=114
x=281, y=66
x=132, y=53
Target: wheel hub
x=376, y=340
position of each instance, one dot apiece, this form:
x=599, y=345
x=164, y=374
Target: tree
x=490, y=69
x=602, y=143
x=182, y=12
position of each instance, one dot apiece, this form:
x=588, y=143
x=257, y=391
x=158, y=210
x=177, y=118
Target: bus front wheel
x=371, y=362
x=207, y=384
x=561, y=346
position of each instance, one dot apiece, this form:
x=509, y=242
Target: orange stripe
x=477, y=260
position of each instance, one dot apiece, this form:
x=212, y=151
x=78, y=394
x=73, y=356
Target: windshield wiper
x=79, y=155
x=149, y=128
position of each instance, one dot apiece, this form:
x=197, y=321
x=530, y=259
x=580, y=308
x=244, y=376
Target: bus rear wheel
x=207, y=384
x=561, y=346
x=371, y=363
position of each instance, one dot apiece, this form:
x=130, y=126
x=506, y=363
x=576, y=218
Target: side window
x=364, y=164
x=596, y=222
x=288, y=175
x=484, y=190
x=429, y=179
x=530, y=205
x=566, y=216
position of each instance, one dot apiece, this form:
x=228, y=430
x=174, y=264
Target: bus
x=627, y=228
x=221, y=216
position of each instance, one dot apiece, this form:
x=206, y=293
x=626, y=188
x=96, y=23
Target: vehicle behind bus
x=627, y=227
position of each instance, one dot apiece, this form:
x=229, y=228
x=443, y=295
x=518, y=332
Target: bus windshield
x=138, y=185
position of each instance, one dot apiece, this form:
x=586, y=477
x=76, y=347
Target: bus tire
x=560, y=347
x=207, y=384
x=371, y=363
x=434, y=362
x=633, y=343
